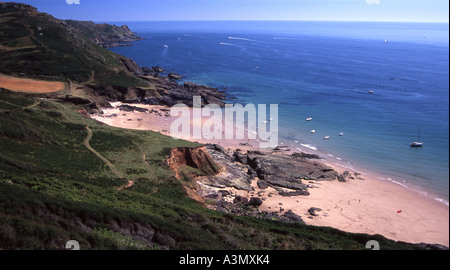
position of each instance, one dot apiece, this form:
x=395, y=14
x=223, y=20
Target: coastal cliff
x=105, y=35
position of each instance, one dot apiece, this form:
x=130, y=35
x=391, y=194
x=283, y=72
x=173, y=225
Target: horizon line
x=243, y=20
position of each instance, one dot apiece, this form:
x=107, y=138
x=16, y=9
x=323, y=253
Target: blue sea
x=325, y=70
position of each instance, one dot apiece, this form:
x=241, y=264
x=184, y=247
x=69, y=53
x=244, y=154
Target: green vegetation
x=38, y=44
x=53, y=189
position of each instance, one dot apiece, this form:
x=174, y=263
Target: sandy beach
x=371, y=206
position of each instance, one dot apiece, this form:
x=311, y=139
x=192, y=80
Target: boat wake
x=239, y=38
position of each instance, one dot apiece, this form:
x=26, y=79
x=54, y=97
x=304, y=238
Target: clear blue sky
x=179, y=10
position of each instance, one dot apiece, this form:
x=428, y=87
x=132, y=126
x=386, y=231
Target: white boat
x=313, y=131
x=371, y=92
x=341, y=134
x=326, y=137
x=309, y=119
x=166, y=46
x=418, y=143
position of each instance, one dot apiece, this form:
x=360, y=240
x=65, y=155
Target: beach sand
x=371, y=206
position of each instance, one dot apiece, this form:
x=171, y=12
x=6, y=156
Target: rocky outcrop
x=207, y=169
x=192, y=162
x=255, y=202
x=215, y=172
x=128, y=108
x=165, y=89
x=290, y=216
x=305, y=155
x=214, y=169
x=174, y=76
x=240, y=209
x=286, y=173
x=131, y=66
x=232, y=174
x=312, y=211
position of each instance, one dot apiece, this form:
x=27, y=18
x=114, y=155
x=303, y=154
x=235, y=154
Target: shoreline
x=371, y=206
x=340, y=164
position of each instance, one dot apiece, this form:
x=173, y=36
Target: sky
x=262, y=10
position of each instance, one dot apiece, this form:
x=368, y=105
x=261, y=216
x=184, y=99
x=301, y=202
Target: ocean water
x=325, y=70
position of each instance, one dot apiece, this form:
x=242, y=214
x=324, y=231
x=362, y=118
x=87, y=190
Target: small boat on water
x=309, y=119
x=341, y=134
x=418, y=143
x=371, y=92
x=166, y=46
x=313, y=131
x=326, y=137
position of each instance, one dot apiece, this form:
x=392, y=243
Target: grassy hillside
x=54, y=189
x=34, y=43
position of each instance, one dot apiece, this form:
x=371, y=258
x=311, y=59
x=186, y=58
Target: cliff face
x=105, y=35
x=192, y=162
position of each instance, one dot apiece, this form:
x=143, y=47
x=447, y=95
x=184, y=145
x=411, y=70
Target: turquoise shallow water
x=325, y=71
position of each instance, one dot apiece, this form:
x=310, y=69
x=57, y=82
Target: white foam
x=239, y=38
x=398, y=183
x=309, y=146
x=227, y=44
x=442, y=201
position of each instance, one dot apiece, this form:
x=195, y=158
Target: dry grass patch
x=30, y=85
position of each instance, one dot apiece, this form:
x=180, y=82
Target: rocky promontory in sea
x=105, y=35
x=165, y=89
